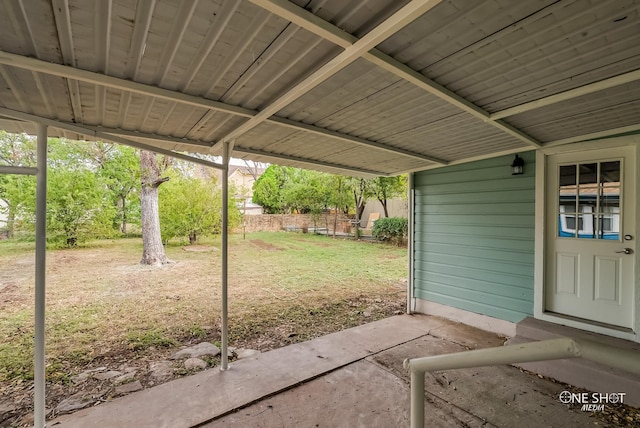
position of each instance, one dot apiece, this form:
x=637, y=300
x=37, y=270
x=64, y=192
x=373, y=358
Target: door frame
x=540, y=229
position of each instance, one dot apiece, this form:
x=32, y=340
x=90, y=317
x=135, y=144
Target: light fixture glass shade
x=517, y=167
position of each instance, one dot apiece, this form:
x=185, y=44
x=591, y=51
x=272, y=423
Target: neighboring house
x=242, y=179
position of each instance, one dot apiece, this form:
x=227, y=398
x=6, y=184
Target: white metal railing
x=552, y=349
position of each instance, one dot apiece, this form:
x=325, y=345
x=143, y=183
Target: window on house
x=590, y=193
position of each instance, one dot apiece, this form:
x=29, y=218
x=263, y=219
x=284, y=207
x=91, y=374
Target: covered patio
x=447, y=91
x=352, y=378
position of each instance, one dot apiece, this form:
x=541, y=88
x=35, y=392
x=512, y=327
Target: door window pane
x=568, y=197
x=590, y=193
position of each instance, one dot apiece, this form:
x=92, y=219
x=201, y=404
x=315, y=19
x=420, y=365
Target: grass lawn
x=103, y=306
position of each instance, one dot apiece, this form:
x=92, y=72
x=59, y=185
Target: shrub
x=393, y=229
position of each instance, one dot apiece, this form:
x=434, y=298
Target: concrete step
x=576, y=371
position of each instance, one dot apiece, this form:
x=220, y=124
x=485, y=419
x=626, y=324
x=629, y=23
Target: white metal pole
x=41, y=250
x=552, y=349
x=225, y=249
x=410, y=242
x=417, y=399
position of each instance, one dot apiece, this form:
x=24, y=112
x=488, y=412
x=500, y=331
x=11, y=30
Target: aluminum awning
x=366, y=87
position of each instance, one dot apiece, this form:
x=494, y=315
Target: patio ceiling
x=366, y=87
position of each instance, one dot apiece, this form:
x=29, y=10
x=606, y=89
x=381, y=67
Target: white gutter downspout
x=40, y=286
x=410, y=241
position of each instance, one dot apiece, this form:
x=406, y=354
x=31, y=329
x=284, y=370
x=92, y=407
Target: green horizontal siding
x=462, y=187
x=474, y=237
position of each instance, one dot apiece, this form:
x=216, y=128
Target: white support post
x=40, y=286
x=417, y=399
x=226, y=153
x=410, y=243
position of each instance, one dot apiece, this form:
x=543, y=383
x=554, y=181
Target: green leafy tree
x=361, y=191
x=192, y=207
x=268, y=189
x=339, y=196
x=16, y=190
x=385, y=188
x=17, y=194
x=305, y=191
x=78, y=201
x=78, y=207
x=119, y=167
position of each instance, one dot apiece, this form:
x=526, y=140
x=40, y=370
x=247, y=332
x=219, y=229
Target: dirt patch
x=199, y=248
x=10, y=295
x=264, y=245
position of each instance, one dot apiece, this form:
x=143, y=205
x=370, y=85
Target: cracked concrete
x=352, y=378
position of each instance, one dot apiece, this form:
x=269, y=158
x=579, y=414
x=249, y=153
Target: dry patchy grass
x=101, y=304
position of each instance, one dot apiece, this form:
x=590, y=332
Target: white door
x=590, y=236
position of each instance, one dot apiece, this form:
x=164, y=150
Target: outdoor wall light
x=517, y=167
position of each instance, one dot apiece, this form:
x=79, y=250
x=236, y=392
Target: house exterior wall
x=474, y=230
x=242, y=182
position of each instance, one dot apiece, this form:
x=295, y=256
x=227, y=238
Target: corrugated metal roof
x=363, y=86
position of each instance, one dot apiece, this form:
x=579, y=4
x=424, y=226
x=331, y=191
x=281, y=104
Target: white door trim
x=540, y=225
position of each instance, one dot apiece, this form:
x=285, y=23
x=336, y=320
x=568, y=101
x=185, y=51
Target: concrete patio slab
x=347, y=379
x=195, y=399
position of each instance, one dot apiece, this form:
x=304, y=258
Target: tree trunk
x=123, y=228
x=152, y=248
x=11, y=218
x=384, y=207
x=359, y=210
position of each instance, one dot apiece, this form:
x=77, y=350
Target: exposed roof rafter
x=117, y=83
x=100, y=134
x=355, y=140
x=118, y=136
x=391, y=25
x=621, y=79
x=306, y=161
x=63, y=26
x=329, y=32
x=37, y=65
x=595, y=135
x=148, y=136
x=176, y=140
